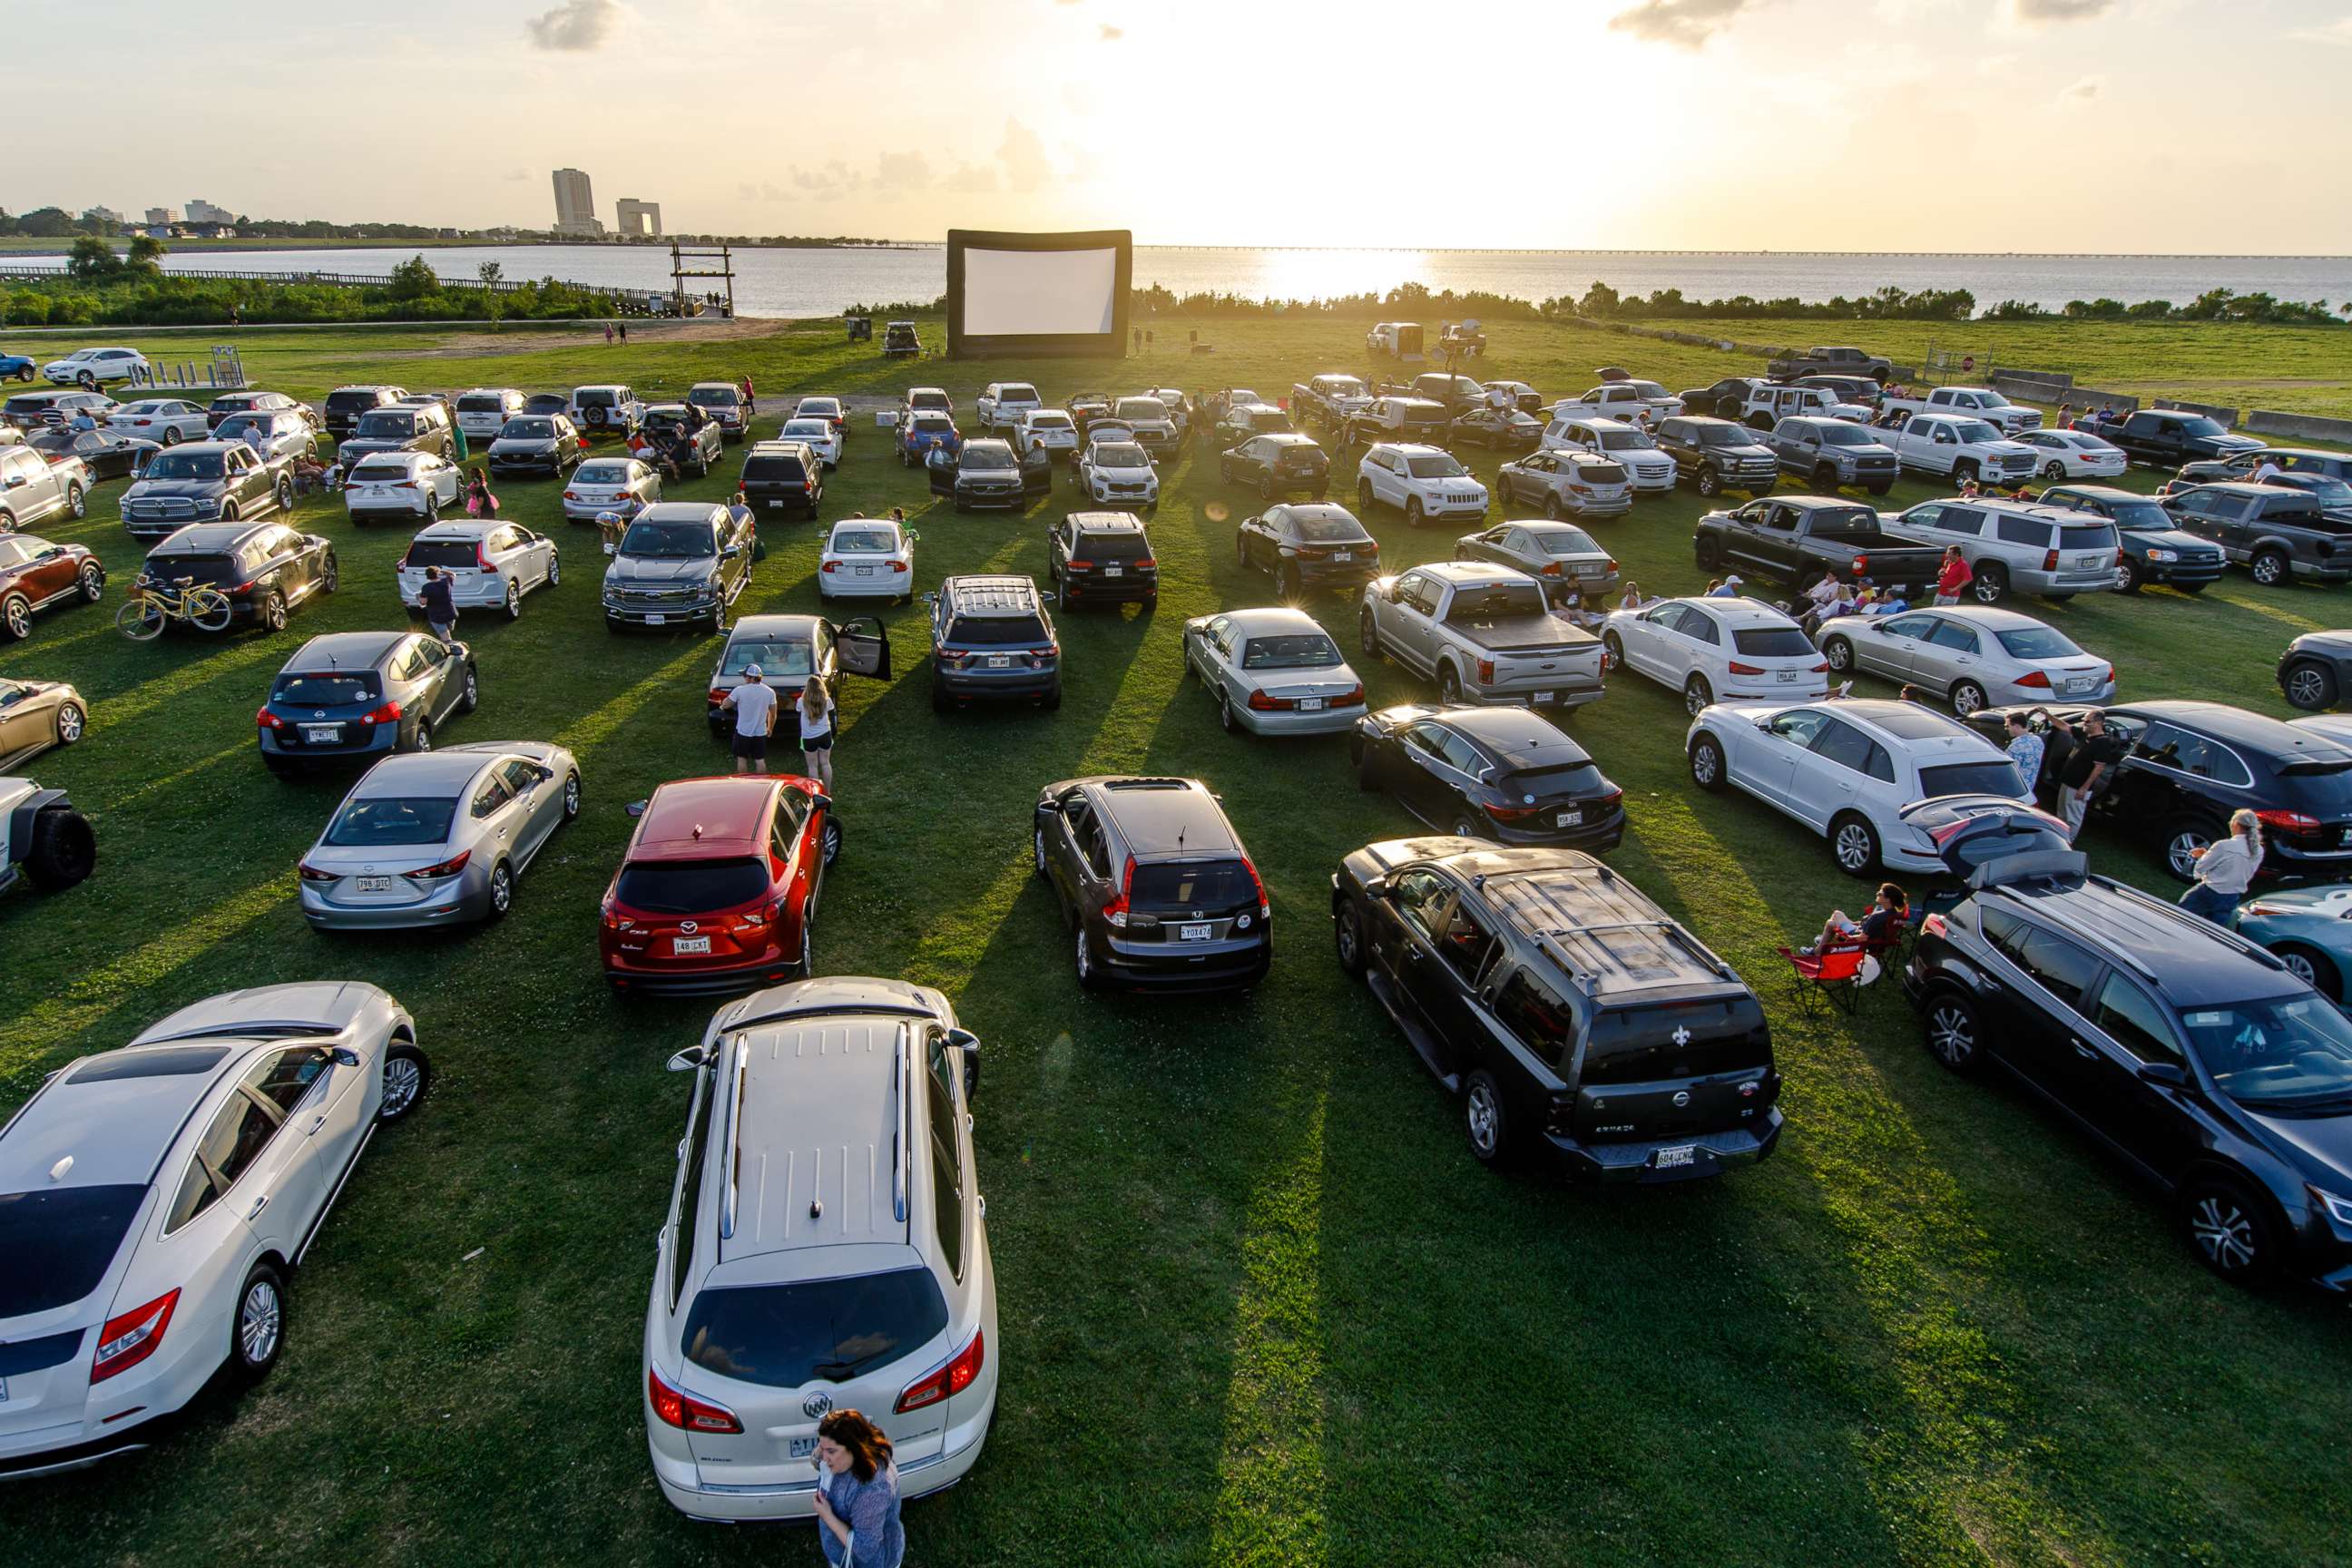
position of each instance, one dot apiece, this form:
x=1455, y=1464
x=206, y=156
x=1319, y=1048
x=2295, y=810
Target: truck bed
x=1523, y=633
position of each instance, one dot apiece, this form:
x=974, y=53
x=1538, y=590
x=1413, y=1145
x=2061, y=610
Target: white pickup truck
x=1484, y=632
x=1958, y=446
x=1980, y=401
x=1001, y=407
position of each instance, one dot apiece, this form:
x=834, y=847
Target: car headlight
x=2164, y=555
x=706, y=591
x=2339, y=1209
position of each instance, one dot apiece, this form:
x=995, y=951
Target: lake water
x=807, y=283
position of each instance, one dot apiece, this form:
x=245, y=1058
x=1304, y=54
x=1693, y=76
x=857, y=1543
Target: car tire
x=2187, y=835
x=1839, y=652
x=1705, y=552
x=72, y=723
x=1364, y=496
x=63, y=851
x=1853, y=844
x=17, y=617
x=1037, y=850
x=1709, y=482
x=2310, y=686
x=513, y=606
x=1412, y=518
x=473, y=694
x=2270, y=568
x=2313, y=967
x=500, y=900
x=1706, y=765
x=572, y=792
x=1348, y=935
x=2231, y=1229
x=1991, y=584
x=1367, y=636
x=1088, y=978
x=1465, y=825
x=1949, y=1029
x=257, y=1327
x=1967, y=468
x=1697, y=695
x=1613, y=648
x=1551, y=505
x=273, y=611
x=423, y=739
x=76, y=503
x=285, y=494
x=2133, y=577
x=406, y=1076
x=1968, y=698
x=1449, y=686
x=1265, y=488
x=2053, y=470
x=1825, y=481
x=1485, y=1121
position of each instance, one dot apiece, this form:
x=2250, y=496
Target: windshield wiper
x=835, y=1371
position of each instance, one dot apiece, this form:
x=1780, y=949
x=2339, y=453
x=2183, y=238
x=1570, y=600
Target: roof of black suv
x=993, y=594
x=1518, y=738
x=1104, y=522
x=2272, y=737
x=2189, y=959
x=1165, y=816
x=211, y=538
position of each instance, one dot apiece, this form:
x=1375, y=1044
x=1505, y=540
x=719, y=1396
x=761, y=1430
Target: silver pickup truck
x=1484, y=632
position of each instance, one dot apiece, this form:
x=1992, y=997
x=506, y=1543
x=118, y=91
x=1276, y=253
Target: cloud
x=2033, y=13
x=1685, y=23
x=1111, y=35
x=577, y=27
x=2339, y=32
x=516, y=174
x=2084, y=89
x=1023, y=154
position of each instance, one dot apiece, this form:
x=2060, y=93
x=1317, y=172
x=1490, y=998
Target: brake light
x=1349, y=697
x=1513, y=813
x=717, y=695
x=1148, y=562
x=2035, y=679
x=951, y=1379
x=449, y=868
x=568, y=495
x=1080, y=564
x=2049, y=560
x=1114, y=912
x=1264, y=909
x=482, y=559
x=1935, y=925
x=684, y=1411
x=833, y=566
x=1551, y=569
x=1261, y=702
x=312, y=874
x=269, y=720
x=2111, y=675
x=389, y=713
x=1613, y=564
x=1485, y=672
x=898, y=567
x=132, y=1337
x=1739, y=668
x=1862, y=564
x=2288, y=821
x=1823, y=667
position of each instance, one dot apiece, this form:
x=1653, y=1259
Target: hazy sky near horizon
x=2192, y=126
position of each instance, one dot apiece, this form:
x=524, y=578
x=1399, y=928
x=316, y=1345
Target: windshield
x=2037, y=642
x=1302, y=650
x=864, y=541
x=1119, y=455
x=601, y=474
x=1625, y=441
x=1846, y=435
x=690, y=887
x=58, y=1242
x=2286, y=1052
x=1974, y=430
x=184, y=465
x=714, y=397
x=1725, y=436
x=1972, y=778
x=239, y=426
x=822, y=1331
x=2201, y=425
x=1440, y=467
x=671, y=540
x=1017, y=391
x=2142, y=515
x=978, y=457
x=527, y=430
x=324, y=689
x=380, y=471
x=1148, y=409
x=374, y=823
x=775, y=657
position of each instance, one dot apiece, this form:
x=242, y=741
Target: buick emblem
x=816, y=1405
x=1682, y=1036
x=688, y=927
x=1682, y=1098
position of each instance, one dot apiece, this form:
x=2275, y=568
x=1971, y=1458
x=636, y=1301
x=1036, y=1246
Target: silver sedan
x=433, y=839
x=1274, y=672
x=1973, y=655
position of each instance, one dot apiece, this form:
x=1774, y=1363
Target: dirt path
x=479, y=345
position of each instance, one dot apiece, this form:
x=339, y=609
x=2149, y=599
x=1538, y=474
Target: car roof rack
x=733, y=1144
x=901, y=1130
x=2173, y=911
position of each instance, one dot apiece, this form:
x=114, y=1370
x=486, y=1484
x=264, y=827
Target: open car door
x=863, y=647
x=941, y=469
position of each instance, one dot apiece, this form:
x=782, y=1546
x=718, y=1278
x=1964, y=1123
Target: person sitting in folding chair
x=1878, y=930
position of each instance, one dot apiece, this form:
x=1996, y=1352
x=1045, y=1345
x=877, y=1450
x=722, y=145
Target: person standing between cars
x=2225, y=870
x=439, y=599
x=1953, y=576
x=816, y=710
x=857, y=1494
x=753, y=704
x=2058, y=749
x=2096, y=756
x=2025, y=749
x=479, y=502
x=750, y=403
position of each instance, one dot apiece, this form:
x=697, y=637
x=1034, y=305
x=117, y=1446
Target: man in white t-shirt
x=2264, y=472
x=754, y=706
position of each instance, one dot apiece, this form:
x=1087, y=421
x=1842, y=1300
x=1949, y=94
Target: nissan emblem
x=1682, y=1098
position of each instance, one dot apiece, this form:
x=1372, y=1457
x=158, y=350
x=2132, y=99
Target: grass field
x=1258, y=1304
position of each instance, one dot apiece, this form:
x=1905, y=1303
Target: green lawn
x=1258, y=1304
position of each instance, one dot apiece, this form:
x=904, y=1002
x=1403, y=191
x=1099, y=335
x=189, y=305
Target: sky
x=2158, y=126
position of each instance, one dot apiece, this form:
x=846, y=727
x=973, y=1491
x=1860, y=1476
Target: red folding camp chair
x=1829, y=978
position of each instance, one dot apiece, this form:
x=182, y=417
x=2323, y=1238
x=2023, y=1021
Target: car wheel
x=93, y=583
x=423, y=739
x=1612, y=648
x=1966, y=470
x=473, y=696
x=63, y=852
x=1265, y=488
x=554, y=570
x=2313, y=967
x=1348, y=936
x=285, y=494
x=1225, y=719
x=2270, y=568
x=16, y=616
x=1367, y=636
x=571, y=796
x=1465, y=826
x=1709, y=482
x=1037, y=850
x=1854, y=845
x=1707, y=763
x=2182, y=842
x=257, y=1333
x=2231, y=1229
x=514, y=601
x=406, y=1076
x=1826, y=479
x=1840, y=654
x=1705, y=553
x=76, y=503
x=273, y=611
x=1088, y=979
x=1696, y=694
x=1413, y=511
x=2308, y=686
x=1949, y=1029
x=1991, y=584
x=1967, y=698
x=2053, y=470
x=71, y=723
x=1484, y=1121
x=1449, y=686
x=1551, y=505
x=501, y=899
x=2135, y=578
x=1364, y=496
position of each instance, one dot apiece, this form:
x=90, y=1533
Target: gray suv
x=399, y=428
x=991, y=638
x=680, y=561
x=1828, y=454
x=2022, y=547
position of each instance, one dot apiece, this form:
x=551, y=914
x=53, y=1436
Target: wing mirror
x=691, y=1060
x=611, y=547
x=2170, y=1075
x=968, y=1043
x=635, y=808
x=1376, y=888
x=344, y=1057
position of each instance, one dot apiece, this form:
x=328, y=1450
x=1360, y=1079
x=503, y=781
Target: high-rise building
x=635, y=215
x=158, y=217
x=576, y=206
x=202, y=211
x=102, y=214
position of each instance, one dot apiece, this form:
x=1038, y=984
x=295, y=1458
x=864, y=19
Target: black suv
x=987, y=472
x=1277, y=465
x=2152, y=549
x=1155, y=882
x=346, y=404
x=1504, y=774
x=991, y=637
x=267, y=569
x=2187, y=766
x=1716, y=455
x=399, y=428
x=1566, y=1009
x=1726, y=399
x=1311, y=548
x=2184, y=1048
x=1103, y=557
x=781, y=476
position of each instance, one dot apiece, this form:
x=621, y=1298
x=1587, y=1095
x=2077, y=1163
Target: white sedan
x=1716, y=650
x=867, y=557
x=1847, y=771
x=2074, y=454
x=168, y=1191
x=89, y=367
x=489, y=565
x=167, y=421
x=822, y=436
x=384, y=486
x=1274, y=672
x=610, y=484
x=1117, y=471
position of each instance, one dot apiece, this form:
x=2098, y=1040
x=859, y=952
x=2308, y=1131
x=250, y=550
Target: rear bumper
x=793, y=500
x=463, y=905
x=713, y=982
x=73, y=1457
x=1573, y=693
x=1635, y=1165
x=362, y=516
x=1225, y=965
x=1290, y=721
x=385, y=739
x=977, y=686
x=1100, y=590
x=683, y=1485
x=1606, y=833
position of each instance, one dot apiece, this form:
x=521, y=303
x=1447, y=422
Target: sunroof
x=167, y=1061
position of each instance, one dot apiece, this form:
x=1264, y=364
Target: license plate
x=1785, y=675
x=1343, y=555
x=1569, y=819
x=1668, y=1159
x=1114, y=571
x=1194, y=933
x=322, y=734
x=2081, y=683
x=375, y=884
x=686, y=944
x=999, y=661
x=1545, y=696
x=657, y=620
x=775, y=503
x=866, y=571
x=1310, y=705
x=2086, y=562
x=802, y=1448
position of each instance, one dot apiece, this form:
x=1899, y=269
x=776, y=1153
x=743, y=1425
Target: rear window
x=823, y=1330
x=772, y=469
x=2037, y=642
x=1302, y=650
x=1114, y=546
x=776, y=657
x=324, y=691
x=374, y=472
x=480, y=402
x=865, y=542
x=2325, y=789
x=714, y=397
x=1568, y=541
x=1314, y=527
x=1601, y=473
x=1204, y=885
x=2075, y=537
x=1637, y=1045
x=442, y=552
x=215, y=569
x=690, y=887
x=59, y=1243
x=594, y=397
x=601, y=474
x=1581, y=778
x=349, y=402
x=998, y=630
x=1771, y=642
x=1972, y=778
x=1473, y=606
x=368, y=824
x=1844, y=520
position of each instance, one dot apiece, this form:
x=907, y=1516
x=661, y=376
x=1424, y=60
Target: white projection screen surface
x=1038, y=293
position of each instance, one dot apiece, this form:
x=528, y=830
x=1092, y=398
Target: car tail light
x=1823, y=667
x=1147, y=563
x=1261, y=702
x=1485, y=672
x=2049, y=560
x=1080, y=564
x=2288, y=821
x=449, y=868
x=570, y=496
x=1264, y=909
x=2034, y=678
x=132, y=1337
x=1349, y=697
x=831, y=566
x=482, y=559
x=387, y=713
x=1551, y=569
x=1738, y=669
x=269, y=720
x=951, y=1379
x=717, y=695
x=2111, y=675
x=1612, y=800
x=1613, y=564
x=684, y=1411
x=312, y=874
x=898, y=567
x=1861, y=564
x=1114, y=912
x=1935, y=925
x=1513, y=813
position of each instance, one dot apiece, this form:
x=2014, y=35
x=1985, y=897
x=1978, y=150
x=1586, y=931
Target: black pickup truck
x=1831, y=362
x=2169, y=437
x=1789, y=540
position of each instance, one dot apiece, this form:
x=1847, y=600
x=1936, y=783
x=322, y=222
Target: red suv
x=719, y=886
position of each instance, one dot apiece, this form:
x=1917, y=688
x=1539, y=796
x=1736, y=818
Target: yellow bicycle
x=149, y=609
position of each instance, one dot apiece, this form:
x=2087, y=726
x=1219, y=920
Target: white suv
x=165, y=1193
x=1648, y=467
x=1426, y=483
x=1716, y=650
x=826, y=1249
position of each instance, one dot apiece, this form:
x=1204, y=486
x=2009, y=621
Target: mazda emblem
x=1682, y=1098
x=688, y=927
x=816, y=1405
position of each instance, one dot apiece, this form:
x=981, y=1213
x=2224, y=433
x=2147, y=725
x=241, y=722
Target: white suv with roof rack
x=1426, y=483
x=1645, y=464
x=826, y=1249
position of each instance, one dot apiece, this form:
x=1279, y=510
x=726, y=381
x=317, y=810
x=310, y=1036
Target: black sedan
x=1500, y=430
x=108, y=454
x=1277, y=463
x=1504, y=774
x=1317, y=545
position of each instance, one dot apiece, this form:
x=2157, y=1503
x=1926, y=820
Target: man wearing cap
x=754, y=703
x=1728, y=589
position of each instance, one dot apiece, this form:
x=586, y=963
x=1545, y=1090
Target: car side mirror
x=611, y=548
x=691, y=1060
x=344, y=1057
x=635, y=808
x=1377, y=887
x=2170, y=1075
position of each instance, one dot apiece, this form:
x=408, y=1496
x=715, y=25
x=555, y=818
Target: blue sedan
x=2310, y=929
x=17, y=366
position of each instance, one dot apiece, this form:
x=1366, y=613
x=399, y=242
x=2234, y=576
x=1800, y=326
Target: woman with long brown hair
x=856, y=1494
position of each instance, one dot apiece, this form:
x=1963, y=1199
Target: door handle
x=1995, y=986
x=2083, y=1051
x=316, y=1122
x=259, y=1204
